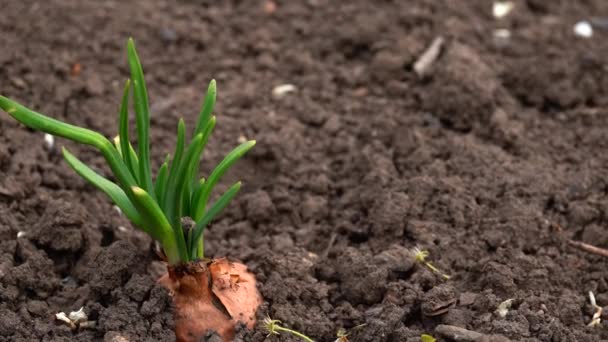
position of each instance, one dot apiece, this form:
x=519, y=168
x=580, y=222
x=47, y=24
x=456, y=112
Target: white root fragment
x=428, y=57
x=501, y=9
x=241, y=139
x=63, y=317
x=282, y=90
x=118, y=210
x=596, y=319
x=583, y=29
x=503, y=308
x=88, y=324
x=75, y=319
x=49, y=141
x=78, y=316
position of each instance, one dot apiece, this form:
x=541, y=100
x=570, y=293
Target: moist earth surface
x=491, y=161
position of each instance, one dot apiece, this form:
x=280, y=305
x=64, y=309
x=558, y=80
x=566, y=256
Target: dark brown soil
x=491, y=162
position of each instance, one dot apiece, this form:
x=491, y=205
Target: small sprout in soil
x=343, y=334
x=75, y=319
x=158, y=205
x=273, y=327
x=596, y=319
x=420, y=257
x=427, y=338
x=503, y=308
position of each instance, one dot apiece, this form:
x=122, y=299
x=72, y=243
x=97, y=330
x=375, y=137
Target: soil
x=491, y=162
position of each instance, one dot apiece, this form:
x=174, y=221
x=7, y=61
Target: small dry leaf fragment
x=596, y=319
x=229, y=282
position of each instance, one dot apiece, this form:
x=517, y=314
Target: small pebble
x=20, y=234
x=457, y=333
x=168, y=35
x=119, y=338
x=500, y=9
x=503, y=308
x=94, y=85
x=282, y=90
x=502, y=33
x=49, y=141
x=270, y=7
x=18, y=82
x=583, y=29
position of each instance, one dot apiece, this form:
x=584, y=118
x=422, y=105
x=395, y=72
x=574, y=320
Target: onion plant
x=156, y=205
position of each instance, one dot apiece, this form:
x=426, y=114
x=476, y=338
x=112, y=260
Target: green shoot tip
x=137, y=190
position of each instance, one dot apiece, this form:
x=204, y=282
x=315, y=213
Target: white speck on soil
x=49, y=141
x=583, y=29
x=501, y=9
x=282, y=90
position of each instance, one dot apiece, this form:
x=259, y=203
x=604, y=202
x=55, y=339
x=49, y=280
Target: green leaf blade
x=161, y=180
x=217, y=208
x=123, y=124
x=142, y=110
x=81, y=135
x=175, y=191
x=201, y=198
x=49, y=125
x=192, y=170
x=160, y=228
x=174, y=166
x=206, y=108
